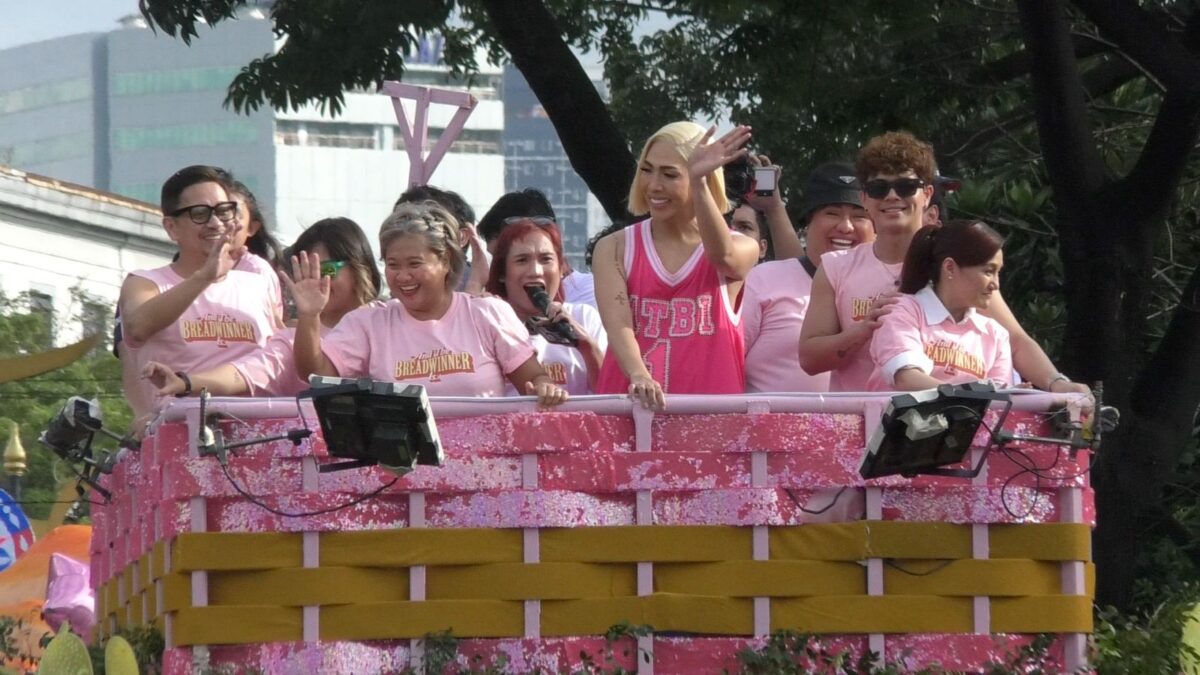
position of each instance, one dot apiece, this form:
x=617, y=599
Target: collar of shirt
x=935, y=312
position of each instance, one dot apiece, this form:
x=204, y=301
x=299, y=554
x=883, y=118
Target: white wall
x=58, y=236
x=378, y=109
x=316, y=182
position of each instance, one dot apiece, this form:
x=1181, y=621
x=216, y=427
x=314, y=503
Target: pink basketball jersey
x=857, y=277
x=687, y=329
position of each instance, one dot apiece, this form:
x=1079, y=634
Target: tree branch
x=1074, y=163
x=1146, y=41
x=598, y=151
x=1152, y=181
x=1098, y=81
x=1017, y=64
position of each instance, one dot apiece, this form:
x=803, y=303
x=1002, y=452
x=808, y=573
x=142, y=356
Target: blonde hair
x=683, y=138
x=436, y=225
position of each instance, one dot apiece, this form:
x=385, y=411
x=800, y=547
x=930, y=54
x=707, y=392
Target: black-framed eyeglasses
x=878, y=188
x=202, y=213
x=540, y=221
x=330, y=268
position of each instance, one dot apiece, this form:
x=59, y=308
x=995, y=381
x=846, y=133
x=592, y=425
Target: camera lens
x=739, y=178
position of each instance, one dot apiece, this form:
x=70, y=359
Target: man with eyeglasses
x=854, y=289
x=199, y=311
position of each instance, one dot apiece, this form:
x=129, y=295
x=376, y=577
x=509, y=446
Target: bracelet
x=187, y=384
x=1055, y=378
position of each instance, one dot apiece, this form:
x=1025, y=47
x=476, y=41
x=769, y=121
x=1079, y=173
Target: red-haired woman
x=527, y=269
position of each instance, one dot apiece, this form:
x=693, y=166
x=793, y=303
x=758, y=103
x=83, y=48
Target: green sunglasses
x=330, y=268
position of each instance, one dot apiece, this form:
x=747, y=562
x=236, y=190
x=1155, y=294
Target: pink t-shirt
x=253, y=263
x=687, y=329
x=920, y=332
x=857, y=277
x=271, y=371
x=773, y=307
x=467, y=352
x=231, y=319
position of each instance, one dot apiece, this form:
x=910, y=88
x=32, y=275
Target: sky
x=23, y=21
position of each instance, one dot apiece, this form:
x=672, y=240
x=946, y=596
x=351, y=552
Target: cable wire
x=821, y=510
x=301, y=514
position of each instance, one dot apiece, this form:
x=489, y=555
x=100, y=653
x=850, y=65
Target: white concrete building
x=72, y=246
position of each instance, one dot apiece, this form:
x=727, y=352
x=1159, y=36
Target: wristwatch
x=187, y=384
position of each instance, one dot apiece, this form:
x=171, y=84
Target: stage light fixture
x=70, y=434
x=922, y=431
x=369, y=422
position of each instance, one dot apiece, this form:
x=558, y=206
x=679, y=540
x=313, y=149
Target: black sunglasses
x=202, y=213
x=879, y=188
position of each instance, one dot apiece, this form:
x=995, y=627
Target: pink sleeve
x=831, y=263
x=508, y=337
x=348, y=345
x=1001, y=372
x=897, y=342
x=276, y=292
x=263, y=370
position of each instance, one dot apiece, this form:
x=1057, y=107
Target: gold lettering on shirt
x=434, y=365
x=947, y=355
x=220, y=329
x=556, y=371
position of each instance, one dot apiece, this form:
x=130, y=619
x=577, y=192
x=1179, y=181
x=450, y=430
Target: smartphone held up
x=765, y=180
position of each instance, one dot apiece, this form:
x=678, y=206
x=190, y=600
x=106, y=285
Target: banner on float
x=16, y=536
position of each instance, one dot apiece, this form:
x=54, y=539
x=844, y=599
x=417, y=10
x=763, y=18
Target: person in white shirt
x=568, y=337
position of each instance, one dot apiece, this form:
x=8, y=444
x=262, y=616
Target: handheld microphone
x=557, y=332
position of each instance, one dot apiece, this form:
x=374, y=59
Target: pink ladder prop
x=421, y=167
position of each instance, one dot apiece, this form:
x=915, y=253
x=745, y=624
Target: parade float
x=697, y=532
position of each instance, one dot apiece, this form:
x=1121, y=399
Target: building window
x=42, y=303
x=185, y=135
x=44, y=150
x=45, y=95
x=341, y=135
x=481, y=86
x=328, y=134
x=471, y=141
x=289, y=132
x=93, y=318
x=173, y=81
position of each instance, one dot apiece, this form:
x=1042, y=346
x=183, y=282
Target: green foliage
x=787, y=652
x=441, y=650
x=145, y=644
x=1146, y=643
x=1031, y=658
x=32, y=402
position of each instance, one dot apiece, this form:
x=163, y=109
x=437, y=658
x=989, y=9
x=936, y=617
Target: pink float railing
x=526, y=496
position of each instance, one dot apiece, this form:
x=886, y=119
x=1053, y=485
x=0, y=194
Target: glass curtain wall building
x=119, y=111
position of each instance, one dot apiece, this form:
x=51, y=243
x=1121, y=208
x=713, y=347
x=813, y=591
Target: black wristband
x=187, y=384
